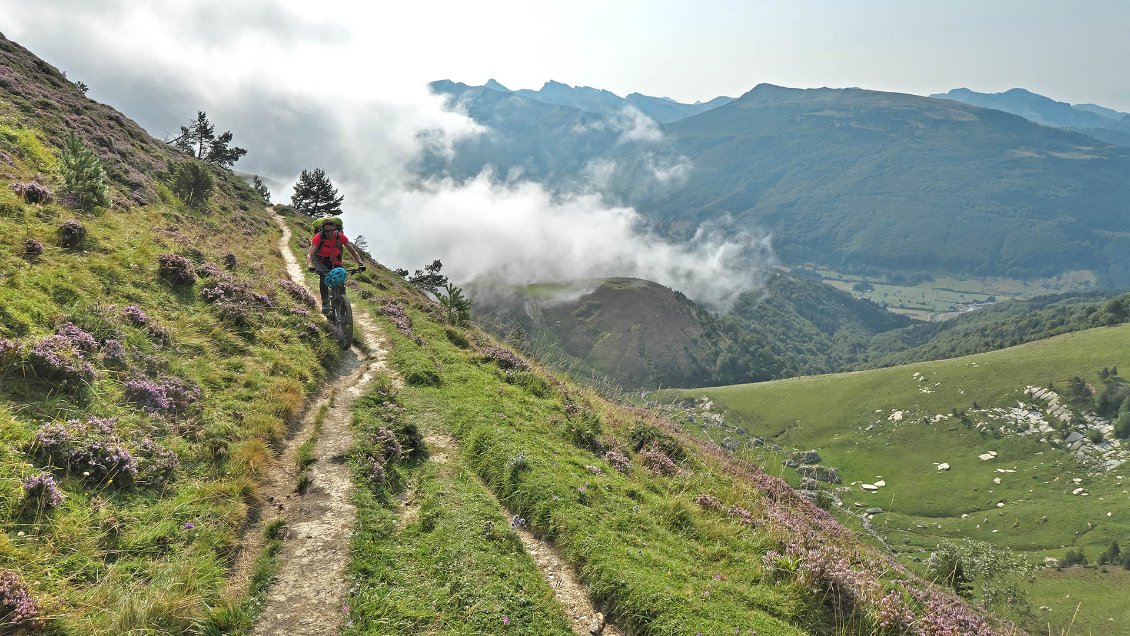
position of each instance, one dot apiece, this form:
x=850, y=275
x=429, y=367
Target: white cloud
x=349, y=95
x=519, y=233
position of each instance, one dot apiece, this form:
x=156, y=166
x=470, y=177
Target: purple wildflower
x=71, y=234
x=32, y=191
x=208, y=270
x=619, y=461
x=505, y=358
x=657, y=461
x=58, y=357
x=167, y=395
x=709, y=502
x=81, y=338
x=134, y=314
x=298, y=292
x=32, y=249
x=175, y=270
x=389, y=446
x=44, y=489
x=113, y=352
x=16, y=604
x=397, y=316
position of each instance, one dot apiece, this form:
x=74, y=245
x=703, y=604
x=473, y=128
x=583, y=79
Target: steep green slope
x=898, y=424
x=150, y=362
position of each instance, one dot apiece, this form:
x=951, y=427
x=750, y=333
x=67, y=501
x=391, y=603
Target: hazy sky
x=340, y=84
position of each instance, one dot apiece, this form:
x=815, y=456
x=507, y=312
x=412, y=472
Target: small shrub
x=298, y=292
x=17, y=607
x=175, y=270
x=230, y=261
x=505, y=358
x=208, y=270
x=42, y=491
x=32, y=192
x=657, y=461
x=193, y=183
x=387, y=444
x=90, y=450
x=709, y=502
x=9, y=353
x=114, y=353
x=643, y=436
x=71, y=234
x=155, y=462
x=31, y=250
x=170, y=394
x=618, y=460
x=59, y=358
x=135, y=315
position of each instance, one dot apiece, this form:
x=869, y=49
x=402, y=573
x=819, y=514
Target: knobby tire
x=342, y=317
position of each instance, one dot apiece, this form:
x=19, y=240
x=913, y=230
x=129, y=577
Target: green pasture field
x=850, y=419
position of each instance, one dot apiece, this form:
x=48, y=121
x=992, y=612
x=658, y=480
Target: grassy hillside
x=154, y=355
x=898, y=424
x=669, y=536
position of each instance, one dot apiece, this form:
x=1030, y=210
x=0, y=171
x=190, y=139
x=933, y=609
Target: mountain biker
x=326, y=251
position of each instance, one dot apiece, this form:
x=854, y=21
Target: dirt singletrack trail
x=310, y=589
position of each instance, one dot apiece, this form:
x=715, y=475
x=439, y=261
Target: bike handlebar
x=313, y=269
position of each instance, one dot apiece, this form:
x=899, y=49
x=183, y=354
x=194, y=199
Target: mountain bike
x=340, y=312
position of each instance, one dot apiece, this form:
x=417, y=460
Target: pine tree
x=315, y=195
x=457, y=306
x=261, y=189
x=83, y=177
x=199, y=139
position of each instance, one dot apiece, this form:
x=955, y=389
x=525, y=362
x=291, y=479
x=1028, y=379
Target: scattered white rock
x=869, y=487
x=965, y=515
x=997, y=480
x=896, y=416
x=943, y=466
x=986, y=456
x=1078, y=491
x=1000, y=504
x=880, y=483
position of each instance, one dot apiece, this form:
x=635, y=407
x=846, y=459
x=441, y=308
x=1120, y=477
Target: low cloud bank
x=518, y=233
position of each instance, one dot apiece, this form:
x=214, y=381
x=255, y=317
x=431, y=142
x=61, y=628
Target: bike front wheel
x=341, y=316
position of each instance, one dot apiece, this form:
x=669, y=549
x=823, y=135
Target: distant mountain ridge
x=598, y=101
x=1104, y=124
x=856, y=180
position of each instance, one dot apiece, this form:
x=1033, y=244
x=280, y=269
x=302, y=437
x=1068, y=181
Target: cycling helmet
x=328, y=219
x=335, y=277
